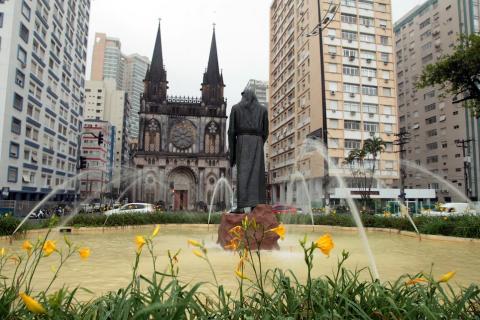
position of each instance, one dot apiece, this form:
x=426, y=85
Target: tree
x=373, y=147
x=362, y=173
x=458, y=74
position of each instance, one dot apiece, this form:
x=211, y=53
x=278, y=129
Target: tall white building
x=43, y=47
x=104, y=102
x=128, y=71
x=359, y=90
x=425, y=34
x=135, y=69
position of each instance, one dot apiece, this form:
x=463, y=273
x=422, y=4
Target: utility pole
x=323, y=22
x=464, y=144
x=403, y=137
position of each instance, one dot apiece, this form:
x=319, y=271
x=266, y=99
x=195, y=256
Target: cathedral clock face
x=182, y=135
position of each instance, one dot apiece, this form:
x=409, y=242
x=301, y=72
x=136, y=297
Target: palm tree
x=373, y=146
x=355, y=160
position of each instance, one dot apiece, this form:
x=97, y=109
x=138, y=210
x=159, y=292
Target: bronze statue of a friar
x=247, y=134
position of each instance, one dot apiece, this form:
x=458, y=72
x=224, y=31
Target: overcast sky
x=241, y=29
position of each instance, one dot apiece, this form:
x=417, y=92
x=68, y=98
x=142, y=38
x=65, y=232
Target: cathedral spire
x=212, y=85
x=156, y=83
x=213, y=76
x=157, y=70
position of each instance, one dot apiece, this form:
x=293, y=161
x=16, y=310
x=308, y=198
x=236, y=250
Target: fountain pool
x=113, y=252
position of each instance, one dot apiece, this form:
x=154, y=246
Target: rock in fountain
x=265, y=220
x=247, y=134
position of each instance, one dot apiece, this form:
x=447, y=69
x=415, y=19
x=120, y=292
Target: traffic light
x=100, y=138
x=83, y=162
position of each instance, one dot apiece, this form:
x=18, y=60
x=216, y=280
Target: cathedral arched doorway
x=182, y=189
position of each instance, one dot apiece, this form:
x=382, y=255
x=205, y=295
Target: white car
x=452, y=209
x=132, y=208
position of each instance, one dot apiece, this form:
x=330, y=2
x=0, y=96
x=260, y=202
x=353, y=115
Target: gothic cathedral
x=182, y=142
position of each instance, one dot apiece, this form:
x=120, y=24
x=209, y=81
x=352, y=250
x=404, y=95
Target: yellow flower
x=27, y=246
x=241, y=275
x=280, y=231
x=84, y=253
x=155, y=231
x=447, y=276
x=415, y=281
x=236, y=230
x=198, y=253
x=49, y=247
x=2, y=252
x=194, y=243
x=232, y=244
x=140, y=241
x=325, y=244
x=31, y=304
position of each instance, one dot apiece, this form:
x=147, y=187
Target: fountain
x=47, y=197
x=317, y=147
x=222, y=181
x=448, y=184
x=308, y=202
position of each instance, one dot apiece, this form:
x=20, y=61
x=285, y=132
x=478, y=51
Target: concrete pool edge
x=410, y=234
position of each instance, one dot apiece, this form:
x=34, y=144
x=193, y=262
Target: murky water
x=113, y=253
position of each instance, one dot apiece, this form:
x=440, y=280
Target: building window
x=12, y=175
x=387, y=92
x=350, y=53
x=26, y=11
x=352, y=144
x=388, y=127
x=430, y=107
x=369, y=90
x=431, y=120
x=370, y=108
x=351, y=88
x=22, y=56
x=348, y=18
x=384, y=40
x=24, y=33
x=350, y=70
x=384, y=57
x=351, y=106
x=17, y=101
x=1, y=19
x=368, y=72
x=370, y=126
x=365, y=37
x=14, y=150
x=349, y=35
x=351, y=125
x=20, y=79
x=16, y=126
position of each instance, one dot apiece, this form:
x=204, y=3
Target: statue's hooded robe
x=247, y=133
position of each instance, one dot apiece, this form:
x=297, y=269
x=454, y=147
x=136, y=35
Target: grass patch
x=462, y=226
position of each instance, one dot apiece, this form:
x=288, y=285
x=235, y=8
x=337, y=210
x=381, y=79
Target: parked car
x=282, y=209
x=451, y=209
x=132, y=208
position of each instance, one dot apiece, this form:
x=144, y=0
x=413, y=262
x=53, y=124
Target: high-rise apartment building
x=136, y=67
x=104, y=102
x=99, y=159
x=422, y=36
x=261, y=90
x=43, y=47
x=128, y=71
x=359, y=89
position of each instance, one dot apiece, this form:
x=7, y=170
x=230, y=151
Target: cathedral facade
x=181, y=151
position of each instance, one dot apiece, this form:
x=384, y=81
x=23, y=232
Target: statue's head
x=248, y=97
